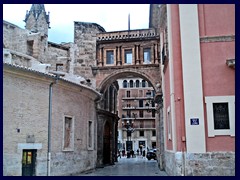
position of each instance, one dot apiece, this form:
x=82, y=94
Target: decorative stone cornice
x=227, y=38
x=133, y=34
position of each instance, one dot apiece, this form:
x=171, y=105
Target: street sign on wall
x=194, y=121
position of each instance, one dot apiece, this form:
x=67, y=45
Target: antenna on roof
x=129, y=22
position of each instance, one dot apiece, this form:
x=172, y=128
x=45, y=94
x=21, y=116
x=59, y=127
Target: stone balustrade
x=133, y=34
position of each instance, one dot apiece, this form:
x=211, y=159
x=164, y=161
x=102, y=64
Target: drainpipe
x=58, y=74
x=183, y=138
x=49, y=129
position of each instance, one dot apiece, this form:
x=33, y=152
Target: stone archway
x=106, y=76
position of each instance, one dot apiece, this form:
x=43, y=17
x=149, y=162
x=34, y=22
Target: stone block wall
x=14, y=37
x=24, y=41
x=200, y=164
x=210, y=164
x=85, y=38
x=58, y=56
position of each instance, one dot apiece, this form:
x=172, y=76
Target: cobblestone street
x=128, y=167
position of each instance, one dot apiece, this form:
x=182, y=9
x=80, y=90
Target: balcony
x=135, y=98
x=138, y=118
x=137, y=108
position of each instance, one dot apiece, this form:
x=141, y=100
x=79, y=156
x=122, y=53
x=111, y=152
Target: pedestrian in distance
x=119, y=154
x=132, y=153
x=144, y=153
x=123, y=152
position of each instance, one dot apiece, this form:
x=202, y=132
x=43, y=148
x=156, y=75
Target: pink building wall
x=217, y=78
x=167, y=101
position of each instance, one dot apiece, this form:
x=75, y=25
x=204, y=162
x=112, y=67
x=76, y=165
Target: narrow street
x=138, y=166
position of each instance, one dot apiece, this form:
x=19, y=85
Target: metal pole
x=49, y=129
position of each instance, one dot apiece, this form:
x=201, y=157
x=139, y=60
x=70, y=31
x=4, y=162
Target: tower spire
x=39, y=19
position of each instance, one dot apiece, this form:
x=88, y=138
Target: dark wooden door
x=106, y=144
x=28, y=162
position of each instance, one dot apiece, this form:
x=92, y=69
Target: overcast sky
x=112, y=17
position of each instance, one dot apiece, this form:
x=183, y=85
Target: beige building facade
x=25, y=124
x=133, y=110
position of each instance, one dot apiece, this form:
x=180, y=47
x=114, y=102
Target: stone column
x=100, y=63
x=156, y=54
x=119, y=53
x=141, y=54
x=152, y=54
x=116, y=56
x=133, y=55
x=137, y=54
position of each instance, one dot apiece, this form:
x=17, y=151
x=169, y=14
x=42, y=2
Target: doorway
x=28, y=162
x=106, y=144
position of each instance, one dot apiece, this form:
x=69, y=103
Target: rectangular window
x=153, y=113
x=128, y=113
x=141, y=133
x=128, y=94
x=110, y=57
x=153, y=145
x=30, y=48
x=221, y=116
x=128, y=56
x=147, y=55
x=153, y=133
x=141, y=123
x=68, y=134
x=90, y=135
x=59, y=67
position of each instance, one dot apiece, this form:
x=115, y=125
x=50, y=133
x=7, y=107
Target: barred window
x=221, y=116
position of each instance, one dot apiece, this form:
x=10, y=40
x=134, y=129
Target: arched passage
x=151, y=76
x=106, y=77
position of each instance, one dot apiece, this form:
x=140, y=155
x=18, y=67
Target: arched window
x=125, y=84
x=131, y=83
x=143, y=83
x=137, y=83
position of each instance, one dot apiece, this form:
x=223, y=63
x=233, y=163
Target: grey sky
x=112, y=17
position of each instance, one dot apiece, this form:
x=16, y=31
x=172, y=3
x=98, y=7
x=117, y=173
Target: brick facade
x=26, y=108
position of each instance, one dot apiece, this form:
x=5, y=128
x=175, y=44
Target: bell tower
x=37, y=20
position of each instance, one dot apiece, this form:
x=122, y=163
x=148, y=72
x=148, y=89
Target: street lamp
x=129, y=128
x=57, y=76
